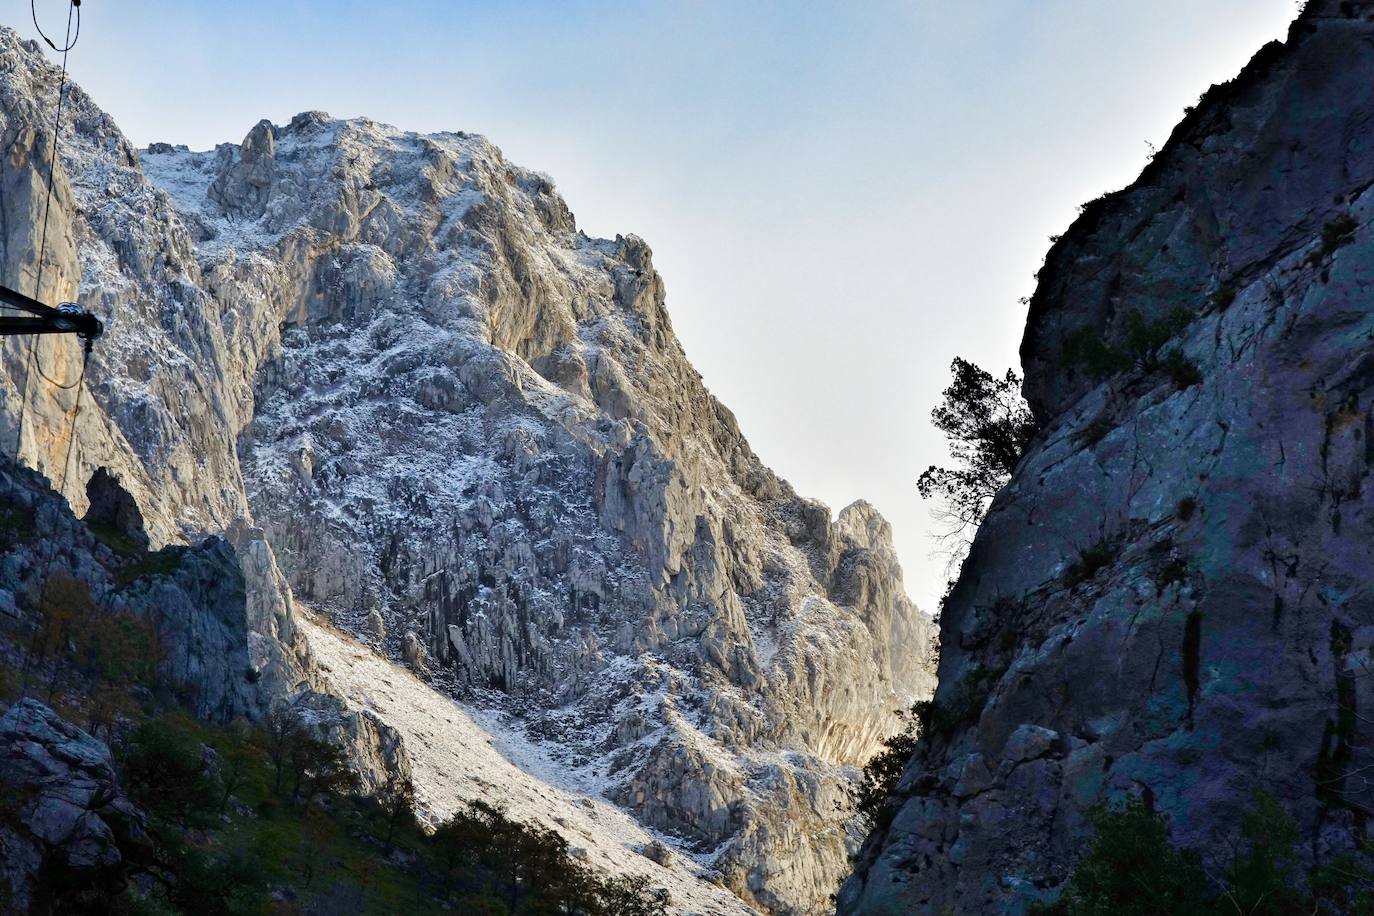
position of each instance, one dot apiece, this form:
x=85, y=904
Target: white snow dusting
x=460, y=754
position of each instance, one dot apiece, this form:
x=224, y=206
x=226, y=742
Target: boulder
x=70, y=836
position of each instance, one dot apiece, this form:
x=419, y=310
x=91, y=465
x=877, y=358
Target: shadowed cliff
x=1171, y=599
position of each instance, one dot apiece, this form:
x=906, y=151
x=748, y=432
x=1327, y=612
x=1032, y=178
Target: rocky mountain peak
x=862, y=525
x=424, y=406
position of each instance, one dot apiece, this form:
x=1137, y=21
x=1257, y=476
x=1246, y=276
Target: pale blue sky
x=841, y=196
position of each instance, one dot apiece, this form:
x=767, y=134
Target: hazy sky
x=841, y=196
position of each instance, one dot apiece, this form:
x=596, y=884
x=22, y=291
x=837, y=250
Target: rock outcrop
x=1171, y=599
x=191, y=599
x=110, y=508
x=71, y=817
x=394, y=372
x=374, y=749
x=195, y=605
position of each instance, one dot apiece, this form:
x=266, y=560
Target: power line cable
x=68, y=42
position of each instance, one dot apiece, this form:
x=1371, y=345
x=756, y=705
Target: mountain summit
x=441, y=418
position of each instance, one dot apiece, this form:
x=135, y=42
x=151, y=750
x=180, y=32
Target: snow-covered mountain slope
x=460, y=754
x=468, y=434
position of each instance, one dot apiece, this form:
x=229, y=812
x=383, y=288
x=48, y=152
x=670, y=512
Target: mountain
x=434, y=417
x=1171, y=599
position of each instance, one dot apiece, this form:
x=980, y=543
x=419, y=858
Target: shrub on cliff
x=1336, y=234
x=884, y=770
x=1130, y=868
x=988, y=426
x=166, y=771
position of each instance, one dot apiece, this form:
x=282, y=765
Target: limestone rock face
x=410, y=393
x=1172, y=596
x=72, y=815
x=171, y=385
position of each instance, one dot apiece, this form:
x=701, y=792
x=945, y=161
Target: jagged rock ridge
x=390, y=365
x=1171, y=598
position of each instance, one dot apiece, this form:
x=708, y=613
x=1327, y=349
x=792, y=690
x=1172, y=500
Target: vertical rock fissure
x=1192, y=658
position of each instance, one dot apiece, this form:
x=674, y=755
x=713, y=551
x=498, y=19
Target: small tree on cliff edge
x=988, y=426
x=884, y=770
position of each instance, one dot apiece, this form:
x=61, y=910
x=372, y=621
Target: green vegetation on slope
x=257, y=818
x=270, y=823
x=1130, y=868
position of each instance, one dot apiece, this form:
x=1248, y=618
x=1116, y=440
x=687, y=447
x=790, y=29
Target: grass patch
x=1182, y=371
x=116, y=540
x=1336, y=234
x=1095, y=431
x=1144, y=346
x=1175, y=572
x=164, y=562
x=1091, y=560
x=1224, y=297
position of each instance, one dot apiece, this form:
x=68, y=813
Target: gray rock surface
x=192, y=598
x=198, y=607
x=71, y=815
x=1172, y=596
x=390, y=368
x=374, y=749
